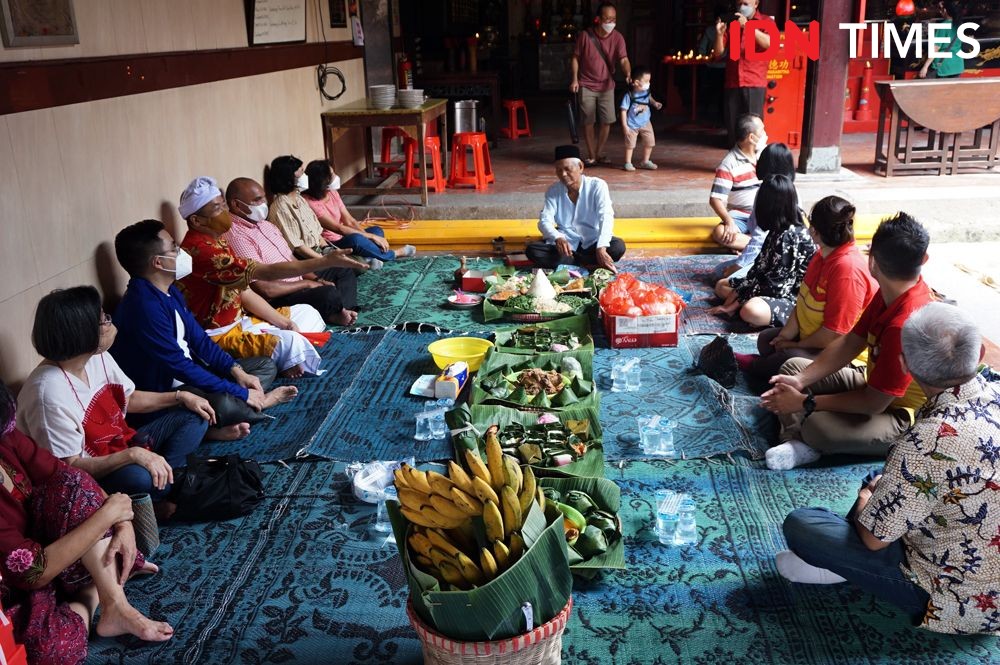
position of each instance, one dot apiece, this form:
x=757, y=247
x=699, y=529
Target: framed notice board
x=275, y=21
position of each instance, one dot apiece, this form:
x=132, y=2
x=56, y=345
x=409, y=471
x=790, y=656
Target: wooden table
x=951, y=110
x=337, y=122
x=464, y=85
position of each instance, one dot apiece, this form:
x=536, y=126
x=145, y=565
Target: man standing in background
x=745, y=79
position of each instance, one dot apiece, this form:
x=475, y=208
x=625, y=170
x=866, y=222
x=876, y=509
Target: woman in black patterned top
x=766, y=296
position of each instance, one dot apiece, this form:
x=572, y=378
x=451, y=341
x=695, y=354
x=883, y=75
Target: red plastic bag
x=628, y=296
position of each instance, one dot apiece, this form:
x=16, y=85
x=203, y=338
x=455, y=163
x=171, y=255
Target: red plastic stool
x=412, y=178
x=482, y=169
x=513, y=129
x=388, y=134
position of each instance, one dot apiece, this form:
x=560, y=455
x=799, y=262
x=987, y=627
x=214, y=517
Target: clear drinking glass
x=423, y=431
x=382, y=523
x=617, y=379
x=687, y=528
x=633, y=376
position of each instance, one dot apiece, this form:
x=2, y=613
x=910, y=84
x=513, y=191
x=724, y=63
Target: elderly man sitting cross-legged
x=924, y=534
x=577, y=220
x=254, y=238
x=828, y=405
x=217, y=290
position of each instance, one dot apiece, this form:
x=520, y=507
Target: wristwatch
x=809, y=403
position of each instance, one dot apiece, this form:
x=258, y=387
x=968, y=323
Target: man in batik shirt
x=925, y=533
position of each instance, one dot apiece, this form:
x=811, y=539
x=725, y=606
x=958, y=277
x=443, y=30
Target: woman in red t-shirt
x=61, y=539
x=834, y=292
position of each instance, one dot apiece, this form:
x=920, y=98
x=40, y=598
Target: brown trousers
x=830, y=432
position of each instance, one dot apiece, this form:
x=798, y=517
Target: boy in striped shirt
x=735, y=186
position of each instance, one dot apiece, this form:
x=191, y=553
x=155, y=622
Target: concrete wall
x=72, y=176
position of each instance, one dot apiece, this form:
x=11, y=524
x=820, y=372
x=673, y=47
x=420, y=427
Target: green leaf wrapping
x=493, y=611
x=607, y=496
x=580, y=325
x=498, y=366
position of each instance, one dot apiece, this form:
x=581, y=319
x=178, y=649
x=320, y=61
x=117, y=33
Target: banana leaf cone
x=579, y=500
x=582, y=386
x=565, y=397
x=493, y=611
x=520, y=395
x=591, y=542
x=552, y=494
x=542, y=400
x=530, y=453
x=606, y=523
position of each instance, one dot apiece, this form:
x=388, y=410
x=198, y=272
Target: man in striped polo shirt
x=735, y=186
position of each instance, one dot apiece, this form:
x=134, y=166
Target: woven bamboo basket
x=541, y=646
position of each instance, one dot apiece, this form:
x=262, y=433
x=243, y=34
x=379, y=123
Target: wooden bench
x=962, y=119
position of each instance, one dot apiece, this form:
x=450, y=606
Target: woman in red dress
x=65, y=549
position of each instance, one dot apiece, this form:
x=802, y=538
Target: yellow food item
x=484, y=492
x=467, y=504
x=527, y=493
x=502, y=553
x=439, y=540
x=440, y=485
x=416, y=479
x=458, y=476
x=513, y=476
x=476, y=466
x=511, y=510
x=470, y=571
x=516, y=546
x=488, y=564
x=493, y=521
x=494, y=460
x=447, y=508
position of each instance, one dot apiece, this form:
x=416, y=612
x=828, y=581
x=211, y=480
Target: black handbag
x=217, y=488
x=718, y=362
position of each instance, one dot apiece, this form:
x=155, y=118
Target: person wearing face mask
x=636, y=120
x=285, y=179
x=162, y=348
x=597, y=51
x=735, y=185
x=254, y=238
x=218, y=290
x=339, y=226
x=746, y=79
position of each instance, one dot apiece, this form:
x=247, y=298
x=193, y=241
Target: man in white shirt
x=577, y=219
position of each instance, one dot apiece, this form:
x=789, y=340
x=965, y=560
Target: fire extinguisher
x=405, y=72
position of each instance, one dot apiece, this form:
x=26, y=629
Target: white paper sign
x=277, y=21
x=645, y=325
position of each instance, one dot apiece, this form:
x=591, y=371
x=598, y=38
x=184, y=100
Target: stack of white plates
x=382, y=96
x=410, y=99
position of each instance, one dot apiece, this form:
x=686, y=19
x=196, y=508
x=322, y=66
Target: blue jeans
x=362, y=246
x=826, y=540
x=175, y=434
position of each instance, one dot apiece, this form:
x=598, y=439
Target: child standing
x=635, y=118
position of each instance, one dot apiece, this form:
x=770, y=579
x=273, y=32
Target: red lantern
x=905, y=8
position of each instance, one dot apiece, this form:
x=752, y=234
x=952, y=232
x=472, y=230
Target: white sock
x=408, y=250
x=794, y=569
x=375, y=264
x=789, y=455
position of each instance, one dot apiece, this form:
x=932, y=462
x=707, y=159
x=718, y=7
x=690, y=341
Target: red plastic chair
x=436, y=180
x=388, y=135
x=482, y=168
x=513, y=128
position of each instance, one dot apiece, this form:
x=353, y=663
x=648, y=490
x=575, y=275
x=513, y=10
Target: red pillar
x=824, y=114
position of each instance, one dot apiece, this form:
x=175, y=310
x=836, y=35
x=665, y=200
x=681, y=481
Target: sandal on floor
x=603, y=160
x=648, y=165
x=590, y=162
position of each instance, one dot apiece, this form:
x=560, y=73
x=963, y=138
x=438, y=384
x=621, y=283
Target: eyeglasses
x=105, y=319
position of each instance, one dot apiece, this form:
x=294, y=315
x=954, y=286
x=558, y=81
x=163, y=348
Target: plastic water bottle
x=666, y=443
x=687, y=529
x=382, y=523
x=423, y=430
x=667, y=503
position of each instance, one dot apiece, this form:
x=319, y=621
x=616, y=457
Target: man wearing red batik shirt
x=745, y=78
x=827, y=406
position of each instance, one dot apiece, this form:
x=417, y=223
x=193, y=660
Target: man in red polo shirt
x=828, y=406
x=745, y=79
x=597, y=50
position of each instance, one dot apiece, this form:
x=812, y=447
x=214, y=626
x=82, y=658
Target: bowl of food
x=464, y=300
x=453, y=349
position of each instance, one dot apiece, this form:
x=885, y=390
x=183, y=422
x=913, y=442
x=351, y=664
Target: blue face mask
x=746, y=10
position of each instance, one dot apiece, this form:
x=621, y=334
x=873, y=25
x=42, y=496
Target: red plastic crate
x=627, y=332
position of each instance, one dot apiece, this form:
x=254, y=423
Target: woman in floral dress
x=766, y=296
x=65, y=550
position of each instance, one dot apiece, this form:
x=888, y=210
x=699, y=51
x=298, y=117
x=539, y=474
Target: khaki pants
x=831, y=432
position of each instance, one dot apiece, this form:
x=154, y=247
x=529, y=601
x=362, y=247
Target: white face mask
x=335, y=184
x=761, y=144
x=608, y=27
x=258, y=213
x=644, y=87
x=746, y=10
x=183, y=265
x=302, y=182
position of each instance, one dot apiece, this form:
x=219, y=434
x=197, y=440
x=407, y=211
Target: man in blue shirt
x=577, y=219
x=161, y=346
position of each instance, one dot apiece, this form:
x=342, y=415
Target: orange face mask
x=221, y=223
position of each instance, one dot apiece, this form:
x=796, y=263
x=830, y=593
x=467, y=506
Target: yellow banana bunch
x=430, y=499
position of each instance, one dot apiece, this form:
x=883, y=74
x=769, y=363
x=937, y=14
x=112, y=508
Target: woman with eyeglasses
x=74, y=403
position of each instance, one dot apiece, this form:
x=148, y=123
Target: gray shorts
x=599, y=105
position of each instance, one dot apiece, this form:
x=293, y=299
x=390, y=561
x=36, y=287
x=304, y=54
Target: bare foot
x=344, y=317
x=148, y=568
x=293, y=372
x=228, y=433
x=123, y=619
x=280, y=396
